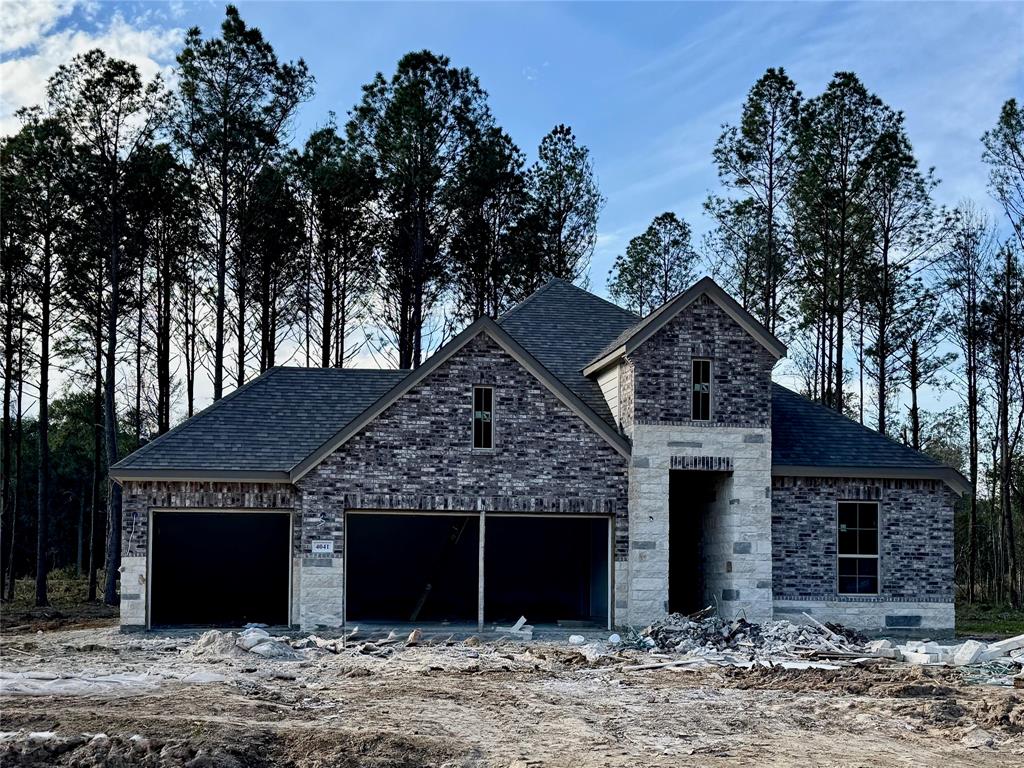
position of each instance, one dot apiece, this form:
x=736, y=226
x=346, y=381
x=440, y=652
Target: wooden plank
x=480, y=577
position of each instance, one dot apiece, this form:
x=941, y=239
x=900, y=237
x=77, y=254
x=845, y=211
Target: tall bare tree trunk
x=1006, y=456
x=6, y=485
x=113, y=558
x=19, y=442
x=222, y=268
x=43, y=493
x=97, y=452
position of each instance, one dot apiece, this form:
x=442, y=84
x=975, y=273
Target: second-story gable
x=700, y=367
x=698, y=360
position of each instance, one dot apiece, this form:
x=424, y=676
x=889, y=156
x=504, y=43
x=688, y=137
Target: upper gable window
x=701, y=407
x=483, y=418
x=857, y=548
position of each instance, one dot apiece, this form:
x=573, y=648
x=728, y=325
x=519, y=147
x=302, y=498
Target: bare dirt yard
x=97, y=697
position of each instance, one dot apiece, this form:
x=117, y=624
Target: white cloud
x=24, y=22
x=23, y=75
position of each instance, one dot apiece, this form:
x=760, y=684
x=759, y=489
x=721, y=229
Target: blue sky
x=645, y=85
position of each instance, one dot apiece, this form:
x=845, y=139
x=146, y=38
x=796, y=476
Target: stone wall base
x=321, y=593
x=133, y=591
x=874, y=616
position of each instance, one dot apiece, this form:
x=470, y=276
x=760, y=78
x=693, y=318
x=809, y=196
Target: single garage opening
x=407, y=567
x=548, y=569
x=220, y=568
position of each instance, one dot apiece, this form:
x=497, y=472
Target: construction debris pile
x=708, y=637
x=703, y=634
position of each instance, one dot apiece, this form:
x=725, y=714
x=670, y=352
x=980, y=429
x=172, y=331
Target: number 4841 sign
x=323, y=547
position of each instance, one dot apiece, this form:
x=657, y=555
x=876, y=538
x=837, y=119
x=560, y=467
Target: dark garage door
x=404, y=567
x=547, y=569
x=220, y=568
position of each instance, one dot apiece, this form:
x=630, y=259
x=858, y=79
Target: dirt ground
x=155, y=701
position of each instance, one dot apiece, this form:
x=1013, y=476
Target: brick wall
x=661, y=371
x=140, y=497
x=418, y=455
x=916, y=553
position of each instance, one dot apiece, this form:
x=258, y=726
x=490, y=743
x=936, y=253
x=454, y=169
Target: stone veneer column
x=321, y=592
x=134, y=592
x=738, y=547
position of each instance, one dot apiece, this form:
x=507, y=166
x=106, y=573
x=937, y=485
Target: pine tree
x=110, y=113
x=415, y=130
x=758, y=160
x=565, y=204
x=234, y=106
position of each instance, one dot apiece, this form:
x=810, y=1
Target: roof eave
x=609, y=359
x=200, y=475
x=948, y=475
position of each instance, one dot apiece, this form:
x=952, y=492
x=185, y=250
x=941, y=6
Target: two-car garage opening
x=419, y=567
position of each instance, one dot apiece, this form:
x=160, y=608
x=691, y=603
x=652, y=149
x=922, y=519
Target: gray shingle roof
x=564, y=326
x=269, y=425
x=281, y=418
x=807, y=434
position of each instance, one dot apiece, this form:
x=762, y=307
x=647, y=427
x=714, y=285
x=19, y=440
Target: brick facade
x=418, y=454
x=740, y=369
x=139, y=497
x=916, y=532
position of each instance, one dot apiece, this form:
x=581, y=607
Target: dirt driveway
x=98, y=697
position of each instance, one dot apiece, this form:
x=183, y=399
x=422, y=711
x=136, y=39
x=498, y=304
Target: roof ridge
x=568, y=283
x=336, y=369
x=142, y=450
x=609, y=302
x=504, y=315
x=835, y=414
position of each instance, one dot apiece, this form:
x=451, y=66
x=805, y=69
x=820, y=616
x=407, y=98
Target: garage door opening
x=547, y=569
x=403, y=567
x=221, y=569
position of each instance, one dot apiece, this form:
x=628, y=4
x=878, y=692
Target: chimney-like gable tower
x=691, y=386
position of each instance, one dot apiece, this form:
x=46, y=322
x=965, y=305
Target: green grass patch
x=64, y=589
x=66, y=593
x=985, y=620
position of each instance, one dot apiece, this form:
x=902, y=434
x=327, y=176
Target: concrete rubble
x=705, y=637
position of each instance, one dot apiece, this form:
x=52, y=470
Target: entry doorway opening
x=696, y=504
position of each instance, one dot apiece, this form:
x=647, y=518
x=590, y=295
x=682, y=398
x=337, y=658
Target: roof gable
x=633, y=337
x=506, y=342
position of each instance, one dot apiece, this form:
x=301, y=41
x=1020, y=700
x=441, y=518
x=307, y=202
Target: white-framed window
x=857, y=548
x=483, y=418
x=700, y=409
